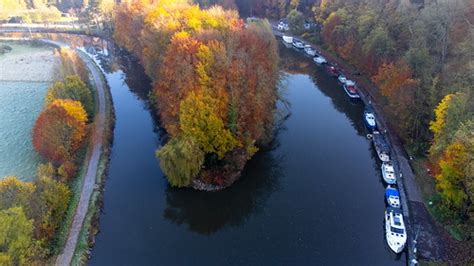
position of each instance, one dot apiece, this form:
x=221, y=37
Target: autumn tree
x=49, y=207
x=71, y=64
x=177, y=79
x=197, y=59
x=451, y=178
x=17, y=246
x=181, y=160
x=14, y=193
x=73, y=88
x=57, y=134
x=339, y=33
x=46, y=170
x=452, y=149
x=449, y=114
x=200, y=120
x=73, y=109
x=9, y=7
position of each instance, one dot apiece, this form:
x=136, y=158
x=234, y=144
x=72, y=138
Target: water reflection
x=135, y=76
x=202, y=212
x=207, y=213
x=297, y=62
x=298, y=203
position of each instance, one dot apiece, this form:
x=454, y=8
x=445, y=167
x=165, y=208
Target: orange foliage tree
x=215, y=80
x=58, y=134
x=396, y=83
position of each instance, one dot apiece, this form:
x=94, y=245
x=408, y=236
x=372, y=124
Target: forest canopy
x=215, y=82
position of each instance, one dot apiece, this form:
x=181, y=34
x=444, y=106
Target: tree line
x=421, y=59
x=32, y=213
x=214, y=85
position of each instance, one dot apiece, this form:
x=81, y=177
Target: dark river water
x=314, y=197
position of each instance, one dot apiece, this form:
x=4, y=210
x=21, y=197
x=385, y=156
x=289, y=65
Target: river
x=314, y=197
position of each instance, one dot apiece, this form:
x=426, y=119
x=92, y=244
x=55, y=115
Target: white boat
x=392, y=195
x=287, y=39
x=283, y=27
x=388, y=173
x=395, y=232
x=342, y=79
x=351, y=89
x=319, y=60
x=369, y=118
x=309, y=50
x=298, y=44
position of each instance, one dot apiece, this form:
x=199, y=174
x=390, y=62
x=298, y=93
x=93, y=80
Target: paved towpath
x=89, y=180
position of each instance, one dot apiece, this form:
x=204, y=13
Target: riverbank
x=95, y=162
x=94, y=154
x=433, y=242
x=91, y=222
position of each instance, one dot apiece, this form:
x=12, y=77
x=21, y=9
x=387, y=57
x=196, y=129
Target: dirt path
x=89, y=180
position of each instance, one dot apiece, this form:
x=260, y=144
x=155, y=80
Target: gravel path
x=89, y=180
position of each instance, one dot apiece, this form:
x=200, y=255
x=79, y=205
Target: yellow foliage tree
x=14, y=192
x=199, y=118
x=49, y=207
x=438, y=124
x=73, y=108
x=181, y=160
x=450, y=179
x=450, y=113
x=17, y=246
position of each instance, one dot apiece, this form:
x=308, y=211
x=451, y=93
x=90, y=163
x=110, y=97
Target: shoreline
x=410, y=200
x=98, y=147
x=430, y=244
x=91, y=224
x=94, y=168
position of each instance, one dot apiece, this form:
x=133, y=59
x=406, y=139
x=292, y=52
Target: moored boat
x=369, y=118
x=309, y=50
x=283, y=25
x=298, y=44
x=388, y=173
x=395, y=232
x=319, y=60
x=381, y=146
x=392, y=196
x=332, y=70
x=351, y=89
x=287, y=39
x=341, y=78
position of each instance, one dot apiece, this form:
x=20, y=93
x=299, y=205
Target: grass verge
x=458, y=229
